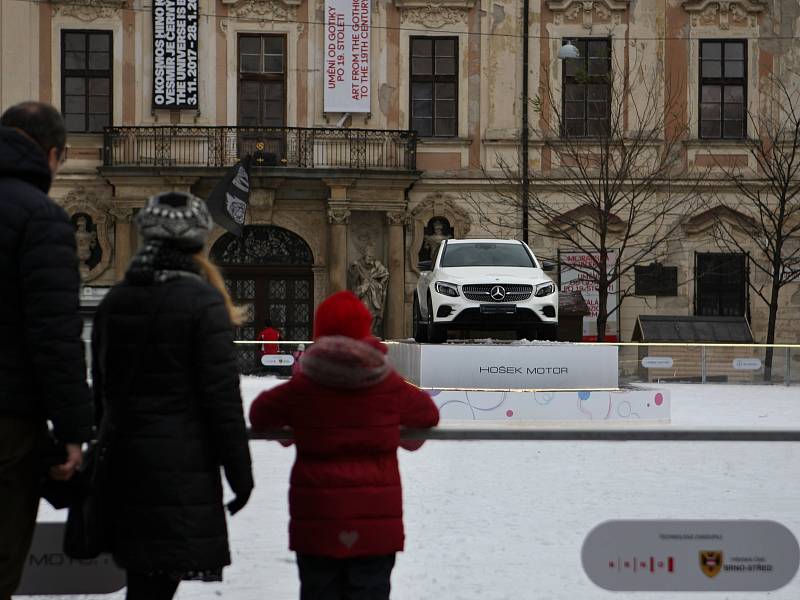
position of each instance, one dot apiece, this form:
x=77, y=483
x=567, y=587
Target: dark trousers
x=360, y=578
x=150, y=587
x=20, y=474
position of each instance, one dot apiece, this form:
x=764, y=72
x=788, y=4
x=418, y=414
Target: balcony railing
x=298, y=147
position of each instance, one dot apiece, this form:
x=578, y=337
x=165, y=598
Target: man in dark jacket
x=42, y=366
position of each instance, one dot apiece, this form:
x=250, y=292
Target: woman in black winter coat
x=165, y=363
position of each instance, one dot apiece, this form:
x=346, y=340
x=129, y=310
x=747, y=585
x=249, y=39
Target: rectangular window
x=655, y=280
x=434, y=86
x=723, y=89
x=262, y=80
x=86, y=80
x=586, y=106
x=721, y=285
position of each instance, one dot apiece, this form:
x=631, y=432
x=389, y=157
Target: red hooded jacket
x=345, y=406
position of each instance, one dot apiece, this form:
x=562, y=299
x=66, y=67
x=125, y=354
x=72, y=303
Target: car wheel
x=436, y=333
x=548, y=333
x=420, y=327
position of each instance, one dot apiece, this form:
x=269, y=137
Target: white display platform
x=622, y=405
x=518, y=366
x=526, y=382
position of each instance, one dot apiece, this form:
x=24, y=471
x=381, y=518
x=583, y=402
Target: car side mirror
x=548, y=265
x=425, y=265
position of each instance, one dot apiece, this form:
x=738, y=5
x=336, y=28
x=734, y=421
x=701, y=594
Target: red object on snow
x=269, y=334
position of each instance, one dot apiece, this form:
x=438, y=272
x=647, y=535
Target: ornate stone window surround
x=698, y=30
x=247, y=21
x=108, y=21
x=446, y=18
x=573, y=19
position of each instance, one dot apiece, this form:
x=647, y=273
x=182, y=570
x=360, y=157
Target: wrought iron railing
x=299, y=147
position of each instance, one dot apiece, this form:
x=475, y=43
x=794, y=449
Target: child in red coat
x=345, y=405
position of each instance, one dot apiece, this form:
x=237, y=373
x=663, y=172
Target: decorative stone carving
x=723, y=12
x=705, y=221
x=263, y=11
x=588, y=12
x=434, y=14
x=88, y=10
x=338, y=216
x=395, y=217
x=262, y=203
x=369, y=280
x=121, y=214
x=89, y=214
x=432, y=206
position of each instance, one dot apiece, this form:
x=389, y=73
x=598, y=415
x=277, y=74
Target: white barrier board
x=623, y=405
x=507, y=366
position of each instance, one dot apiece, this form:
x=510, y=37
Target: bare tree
x=618, y=180
x=764, y=212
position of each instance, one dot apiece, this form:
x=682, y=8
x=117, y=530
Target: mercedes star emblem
x=498, y=293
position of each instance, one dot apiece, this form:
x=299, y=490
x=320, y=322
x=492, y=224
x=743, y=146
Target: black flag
x=229, y=198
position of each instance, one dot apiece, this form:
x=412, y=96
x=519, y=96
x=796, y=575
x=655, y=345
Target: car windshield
x=482, y=254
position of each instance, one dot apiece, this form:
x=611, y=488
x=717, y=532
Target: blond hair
x=210, y=270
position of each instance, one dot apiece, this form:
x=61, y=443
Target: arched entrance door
x=268, y=271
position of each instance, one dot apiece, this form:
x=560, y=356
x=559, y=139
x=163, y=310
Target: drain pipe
x=524, y=129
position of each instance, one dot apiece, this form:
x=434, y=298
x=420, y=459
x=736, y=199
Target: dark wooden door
x=285, y=295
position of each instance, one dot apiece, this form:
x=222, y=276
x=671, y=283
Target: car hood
x=464, y=275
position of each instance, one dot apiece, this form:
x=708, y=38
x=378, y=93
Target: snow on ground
x=506, y=520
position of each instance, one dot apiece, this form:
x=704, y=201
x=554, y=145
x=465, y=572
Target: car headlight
x=545, y=289
x=446, y=289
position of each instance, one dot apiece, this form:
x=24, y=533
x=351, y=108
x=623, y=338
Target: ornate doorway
x=267, y=271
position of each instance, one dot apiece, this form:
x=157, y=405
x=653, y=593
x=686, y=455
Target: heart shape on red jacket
x=348, y=538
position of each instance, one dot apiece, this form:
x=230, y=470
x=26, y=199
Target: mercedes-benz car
x=483, y=284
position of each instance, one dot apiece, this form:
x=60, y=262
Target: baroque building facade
x=445, y=112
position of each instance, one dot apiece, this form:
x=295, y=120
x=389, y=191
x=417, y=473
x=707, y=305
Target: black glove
x=239, y=501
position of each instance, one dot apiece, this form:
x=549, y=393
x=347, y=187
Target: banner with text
x=175, y=54
x=576, y=276
x=347, y=56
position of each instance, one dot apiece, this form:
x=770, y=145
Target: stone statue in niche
x=369, y=280
x=89, y=251
x=436, y=231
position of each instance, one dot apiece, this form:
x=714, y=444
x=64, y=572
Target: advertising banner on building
x=175, y=54
x=575, y=277
x=346, y=73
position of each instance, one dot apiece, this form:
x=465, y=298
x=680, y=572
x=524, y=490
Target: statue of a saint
x=86, y=241
x=369, y=280
x=432, y=241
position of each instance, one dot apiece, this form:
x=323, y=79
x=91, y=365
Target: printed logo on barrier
x=498, y=292
x=710, y=562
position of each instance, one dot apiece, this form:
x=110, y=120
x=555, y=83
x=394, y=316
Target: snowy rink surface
x=506, y=520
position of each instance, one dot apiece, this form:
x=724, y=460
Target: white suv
x=484, y=284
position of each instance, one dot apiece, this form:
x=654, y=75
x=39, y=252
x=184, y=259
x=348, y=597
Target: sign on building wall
x=347, y=75
x=575, y=277
x=175, y=54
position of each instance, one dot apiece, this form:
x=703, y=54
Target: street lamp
x=568, y=51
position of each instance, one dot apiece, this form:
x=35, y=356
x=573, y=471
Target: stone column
x=339, y=218
x=123, y=240
x=394, y=324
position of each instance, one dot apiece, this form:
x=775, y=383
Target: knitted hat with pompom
x=343, y=314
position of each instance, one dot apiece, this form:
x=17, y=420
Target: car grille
x=482, y=292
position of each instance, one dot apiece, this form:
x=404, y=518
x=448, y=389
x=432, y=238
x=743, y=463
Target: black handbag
x=88, y=530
